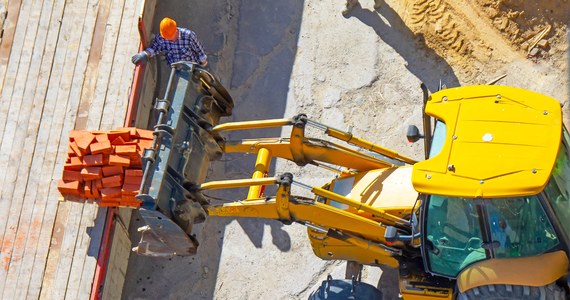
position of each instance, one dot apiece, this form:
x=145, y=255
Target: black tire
x=339, y=289
x=508, y=292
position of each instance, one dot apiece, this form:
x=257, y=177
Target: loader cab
x=496, y=184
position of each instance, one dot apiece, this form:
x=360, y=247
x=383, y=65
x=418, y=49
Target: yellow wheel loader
x=485, y=216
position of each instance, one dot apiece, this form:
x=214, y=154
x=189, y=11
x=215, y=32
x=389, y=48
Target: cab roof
x=500, y=142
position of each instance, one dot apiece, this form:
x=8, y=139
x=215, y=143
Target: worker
x=178, y=44
x=350, y=4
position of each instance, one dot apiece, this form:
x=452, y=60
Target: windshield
x=455, y=237
x=558, y=189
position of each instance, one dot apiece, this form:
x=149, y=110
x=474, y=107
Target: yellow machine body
x=389, y=190
x=500, y=142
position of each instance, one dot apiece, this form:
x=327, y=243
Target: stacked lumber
x=105, y=166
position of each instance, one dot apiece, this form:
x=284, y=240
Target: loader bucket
x=182, y=148
x=162, y=237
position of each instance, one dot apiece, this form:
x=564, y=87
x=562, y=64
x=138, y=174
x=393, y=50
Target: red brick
x=96, y=193
x=112, y=170
x=69, y=187
x=77, y=151
x=103, y=147
x=113, y=181
x=118, y=141
x=114, y=203
x=132, y=131
x=118, y=160
x=130, y=189
x=74, y=133
x=93, y=160
x=87, y=191
x=70, y=150
x=69, y=175
x=84, y=140
x=101, y=137
x=125, y=134
x=145, y=134
x=133, y=142
x=133, y=180
x=144, y=144
x=110, y=192
x=136, y=162
x=125, y=149
x=91, y=173
x=133, y=172
x=75, y=164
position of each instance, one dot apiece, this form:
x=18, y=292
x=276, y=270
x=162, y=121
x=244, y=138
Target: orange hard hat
x=168, y=28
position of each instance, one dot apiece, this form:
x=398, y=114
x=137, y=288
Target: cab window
x=453, y=235
x=512, y=227
x=519, y=227
x=558, y=188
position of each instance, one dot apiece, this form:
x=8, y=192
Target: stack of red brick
x=105, y=167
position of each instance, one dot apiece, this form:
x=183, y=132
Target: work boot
x=348, y=7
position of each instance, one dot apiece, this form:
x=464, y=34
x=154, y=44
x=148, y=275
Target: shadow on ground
x=251, y=47
x=390, y=27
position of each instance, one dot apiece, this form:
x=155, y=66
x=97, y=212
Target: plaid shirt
x=186, y=47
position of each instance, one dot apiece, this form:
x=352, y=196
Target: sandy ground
x=280, y=58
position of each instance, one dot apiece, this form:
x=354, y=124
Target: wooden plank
x=10, y=71
x=108, y=56
x=131, y=37
x=22, y=151
x=125, y=29
x=62, y=121
x=87, y=220
x=76, y=264
x=26, y=219
x=39, y=136
x=112, y=101
x=63, y=211
x=119, y=257
x=56, y=290
x=12, y=144
x=20, y=107
x=50, y=286
x=86, y=282
x=3, y=11
x=8, y=37
x=5, y=106
x=46, y=152
x=91, y=74
x=147, y=14
x=146, y=97
x=90, y=257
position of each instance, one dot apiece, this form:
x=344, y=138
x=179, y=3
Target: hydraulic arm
x=188, y=137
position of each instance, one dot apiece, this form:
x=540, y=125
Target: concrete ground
x=281, y=58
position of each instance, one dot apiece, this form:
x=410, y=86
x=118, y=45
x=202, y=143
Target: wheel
x=508, y=291
x=338, y=289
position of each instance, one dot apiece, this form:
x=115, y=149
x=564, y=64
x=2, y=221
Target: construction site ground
x=66, y=65
x=281, y=58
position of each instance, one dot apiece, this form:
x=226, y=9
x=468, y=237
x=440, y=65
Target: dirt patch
x=520, y=20
x=471, y=33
